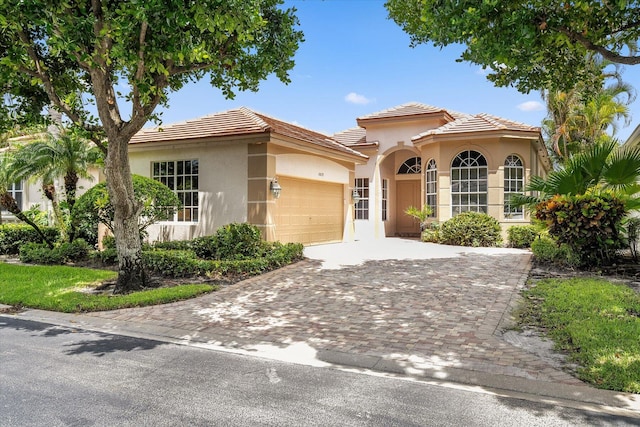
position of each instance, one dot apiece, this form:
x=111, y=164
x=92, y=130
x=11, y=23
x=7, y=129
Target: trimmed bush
x=471, y=229
x=548, y=251
x=40, y=253
x=174, y=245
x=234, y=241
x=13, y=236
x=205, y=247
x=590, y=224
x=431, y=233
x=521, y=236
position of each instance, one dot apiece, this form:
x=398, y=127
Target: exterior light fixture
x=275, y=188
x=355, y=196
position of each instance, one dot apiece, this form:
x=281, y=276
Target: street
x=57, y=376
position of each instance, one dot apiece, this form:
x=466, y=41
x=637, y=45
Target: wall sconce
x=275, y=188
x=355, y=196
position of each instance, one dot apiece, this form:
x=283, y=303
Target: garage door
x=309, y=211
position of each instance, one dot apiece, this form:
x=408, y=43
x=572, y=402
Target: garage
x=309, y=211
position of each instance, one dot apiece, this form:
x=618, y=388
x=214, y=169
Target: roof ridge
x=254, y=116
x=493, y=120
x=513, y=122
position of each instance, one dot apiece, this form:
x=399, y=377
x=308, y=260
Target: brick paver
x=419, y=314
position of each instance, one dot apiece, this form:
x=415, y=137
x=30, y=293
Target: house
x=634, y=138
x=452, y=162
x=298, y=185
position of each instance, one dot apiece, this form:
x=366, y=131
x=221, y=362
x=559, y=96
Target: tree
x=531, y=45
x=67, y=156
x=158, y=203
x=62, y=53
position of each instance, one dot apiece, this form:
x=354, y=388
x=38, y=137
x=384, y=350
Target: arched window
x=431, y=181
x=513, y=184
x=469, y=183
x=410, y=166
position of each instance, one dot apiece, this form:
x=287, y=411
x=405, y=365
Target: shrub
x=548, y=251
x=13, y=236
x=590, y=224
x=521, y=236
x=471, y=229
x=633, y=236
x=40, y=253
x=177, y=245
x=431, y=233
x=234, y=241
x=107, y=256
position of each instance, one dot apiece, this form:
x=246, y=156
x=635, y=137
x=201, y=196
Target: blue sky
x=354, y=62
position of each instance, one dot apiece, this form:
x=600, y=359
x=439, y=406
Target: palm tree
x=67, y=156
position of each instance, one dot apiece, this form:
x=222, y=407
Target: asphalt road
x=56, y=376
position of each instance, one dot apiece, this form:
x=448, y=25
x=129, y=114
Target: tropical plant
x=421, y=215
x=471, y=229
x=68, y=156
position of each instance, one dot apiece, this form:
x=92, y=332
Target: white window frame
x=513, y=184
x=431, y=187
x=469, y=183
x=167, y=172
x=16, y=189
x=362, y=207
x=385, y=199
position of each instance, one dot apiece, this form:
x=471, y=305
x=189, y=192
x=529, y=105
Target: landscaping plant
x=471, y=229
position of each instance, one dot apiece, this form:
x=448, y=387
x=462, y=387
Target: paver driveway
x=416, y=306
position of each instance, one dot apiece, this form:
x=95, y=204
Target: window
x=362, y=207
x=182, y=177
x=385, y=198
x=431, y=181
x=16, y=191
x=513, y=184
x=469, y=183
x=410, y=166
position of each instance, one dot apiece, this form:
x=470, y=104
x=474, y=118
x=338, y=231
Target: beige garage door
x=309, y=211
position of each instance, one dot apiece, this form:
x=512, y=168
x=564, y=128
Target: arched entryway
x=408, y=187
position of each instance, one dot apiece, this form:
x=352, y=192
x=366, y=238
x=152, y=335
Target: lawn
x=595, y=322
x=59, y=288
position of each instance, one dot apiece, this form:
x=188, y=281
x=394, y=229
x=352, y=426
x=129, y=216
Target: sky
x=356, y=61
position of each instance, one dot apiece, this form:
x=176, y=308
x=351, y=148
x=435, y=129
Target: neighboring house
x=452, y=162
x=231, y=166
x=634, y=138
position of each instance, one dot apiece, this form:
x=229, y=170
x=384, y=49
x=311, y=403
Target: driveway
x=394, y=304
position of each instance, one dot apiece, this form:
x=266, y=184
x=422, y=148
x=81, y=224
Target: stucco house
x=298, y=185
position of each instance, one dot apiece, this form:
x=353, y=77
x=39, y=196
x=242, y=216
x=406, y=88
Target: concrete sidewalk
x=395, y=306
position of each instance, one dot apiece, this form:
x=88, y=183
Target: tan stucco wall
x=222, y=184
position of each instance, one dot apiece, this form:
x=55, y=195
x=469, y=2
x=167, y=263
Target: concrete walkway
x=391, y=305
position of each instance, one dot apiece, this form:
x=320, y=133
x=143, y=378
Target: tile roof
x=409, y=109
x=478, y=123
x=239, y=121
x=353, y=136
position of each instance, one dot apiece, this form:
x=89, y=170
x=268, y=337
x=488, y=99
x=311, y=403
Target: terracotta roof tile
x=239, y=121
x=353, y=136
x=478, y=123
x=410, y=109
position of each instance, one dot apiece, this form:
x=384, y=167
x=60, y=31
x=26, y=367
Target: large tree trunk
x=131, y=273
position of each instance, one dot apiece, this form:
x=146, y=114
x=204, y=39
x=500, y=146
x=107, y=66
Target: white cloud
x=355, y=98
x=531, y=106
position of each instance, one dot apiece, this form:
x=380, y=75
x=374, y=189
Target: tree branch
x=606, y=53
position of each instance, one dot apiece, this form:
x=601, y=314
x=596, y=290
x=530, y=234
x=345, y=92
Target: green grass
x=56, y=288
x=594, y=321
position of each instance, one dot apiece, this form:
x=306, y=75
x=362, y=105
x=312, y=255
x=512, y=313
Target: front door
x=407, y=194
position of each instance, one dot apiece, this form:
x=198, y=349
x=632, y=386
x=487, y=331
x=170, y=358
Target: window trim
x=361, y=209
x=12, y=190
x=431, y=180
x=477, y=163
x=510, y=167
x=193, y=209
x=385, y=199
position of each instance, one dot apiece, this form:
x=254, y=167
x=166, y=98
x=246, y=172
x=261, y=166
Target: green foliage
x=55, y=288
x=230, y=242
x=633, y=235
x=179, y=245
x=176, y=263
x=543, y=45
x=589, y=224
x=597, y=323
x=38, y=253
x=521, y=236
x=548, y=251
x=158, y=201
x=13, y=236
x=431, y=233
x=420, y=214
x=471, y=229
